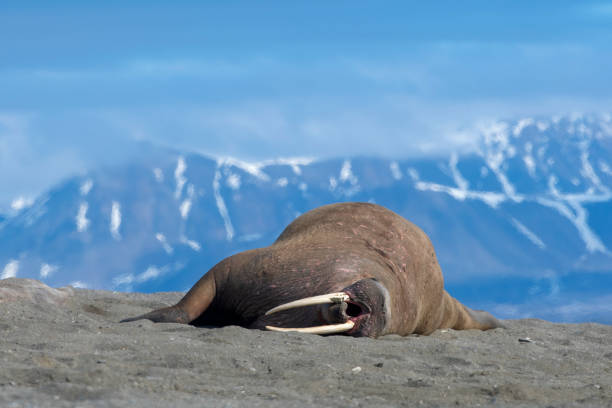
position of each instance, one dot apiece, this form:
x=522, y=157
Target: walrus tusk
x=337, y=297
x=327, y=329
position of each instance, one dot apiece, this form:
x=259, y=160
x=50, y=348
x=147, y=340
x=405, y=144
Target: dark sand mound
x=66, y=348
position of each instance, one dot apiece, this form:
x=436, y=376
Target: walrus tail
x=191, y=306
x=460, y=317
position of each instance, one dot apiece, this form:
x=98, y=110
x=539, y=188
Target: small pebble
x=356, y=370
x=525, y=340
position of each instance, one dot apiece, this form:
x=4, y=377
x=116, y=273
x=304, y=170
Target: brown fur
x=323, y=251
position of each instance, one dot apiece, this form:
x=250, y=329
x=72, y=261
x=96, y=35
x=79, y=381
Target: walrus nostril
x=353, y=310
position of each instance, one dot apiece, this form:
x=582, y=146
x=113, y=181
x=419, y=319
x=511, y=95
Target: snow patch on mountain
x=29, y=215
x=461, y=183
x=233, y=181
x=395, y=170
x=346, y=184
x=179, y=176
x=461, y=191
x=185, y=206
x=221, y=207
x=10, y=269
x=46, y=270
x=256, y=169
x=191, y=243
x=497, y=149
x=542, y=125
x=82, y=222
x=579, y=219
x=605, y=168
x=158, y=174
x=115, y=220
x=249, y=237
x=126, y=281
x=587, y=170
x=490, y=198
x=253, y=168
x=86, y=187
x=165, y=244
x=531, y=236
x=346, y=173
x=522, y=124
x=571, y=207
x=20, y=203
x=333, y=183
x=529, y=160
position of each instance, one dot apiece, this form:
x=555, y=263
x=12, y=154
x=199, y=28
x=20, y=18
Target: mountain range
x=522, y=224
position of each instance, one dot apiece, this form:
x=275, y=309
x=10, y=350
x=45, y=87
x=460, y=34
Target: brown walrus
x=354, y=268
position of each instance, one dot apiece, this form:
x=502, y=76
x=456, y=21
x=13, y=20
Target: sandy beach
x=64, y=348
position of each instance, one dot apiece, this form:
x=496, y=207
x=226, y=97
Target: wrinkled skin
x=385, y=264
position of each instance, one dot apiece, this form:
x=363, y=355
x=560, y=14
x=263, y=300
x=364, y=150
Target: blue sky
x=81, y=81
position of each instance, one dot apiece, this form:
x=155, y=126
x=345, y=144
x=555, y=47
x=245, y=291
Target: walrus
x=352, y=268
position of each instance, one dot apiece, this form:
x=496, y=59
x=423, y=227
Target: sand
x=65, y=348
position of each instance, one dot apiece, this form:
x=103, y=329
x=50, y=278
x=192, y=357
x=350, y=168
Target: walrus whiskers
x=338, y=297
x=326, y=329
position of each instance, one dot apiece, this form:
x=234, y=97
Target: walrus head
x=361, y=309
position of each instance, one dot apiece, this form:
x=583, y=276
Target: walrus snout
x=337, y=298
x=360, y=310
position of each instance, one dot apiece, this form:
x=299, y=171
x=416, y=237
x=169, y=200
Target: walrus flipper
x=456, y=315
x=189, y=308
x=485, y=319
x=171, y=314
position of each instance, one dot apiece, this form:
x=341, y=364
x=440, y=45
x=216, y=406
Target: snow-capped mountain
x=522, y=226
